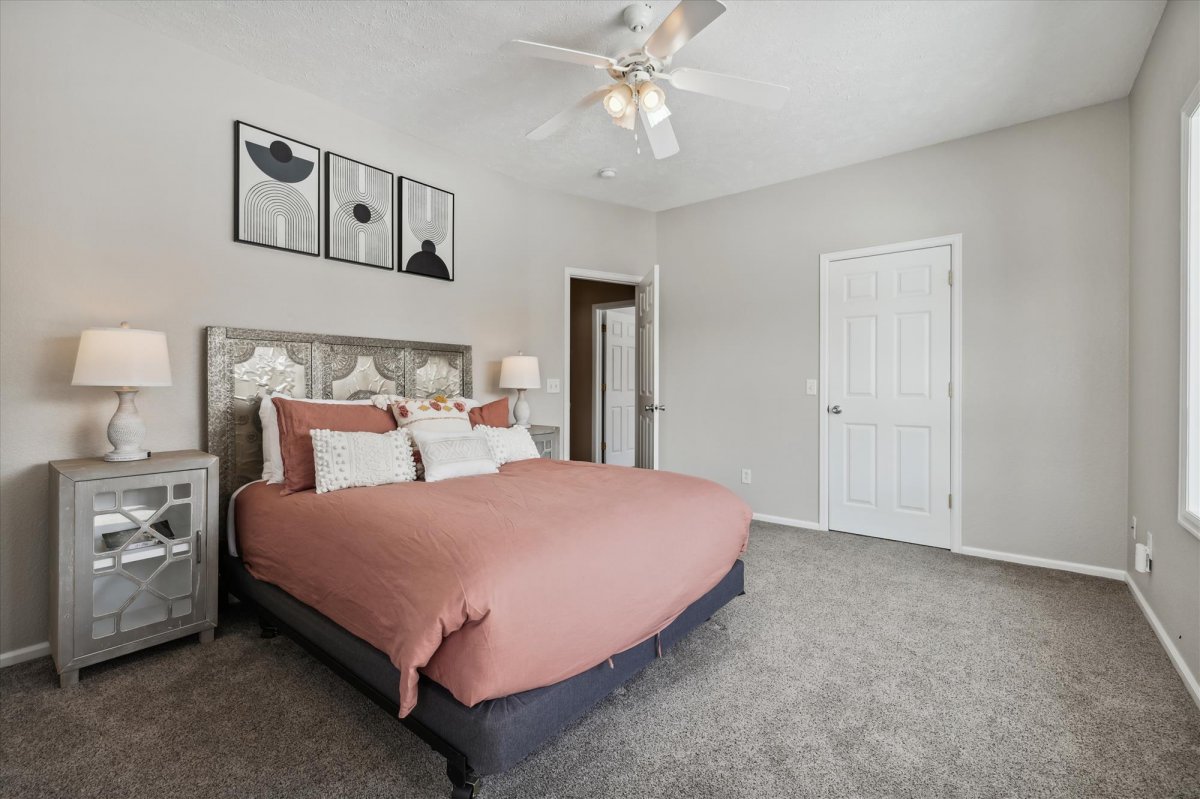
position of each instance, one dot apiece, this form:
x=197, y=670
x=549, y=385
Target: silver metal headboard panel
x=246, y=365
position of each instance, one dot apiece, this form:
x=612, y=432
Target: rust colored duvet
x=500, y=583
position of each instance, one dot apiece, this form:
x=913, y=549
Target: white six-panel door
x=619, y=395
x=889, y=383
x=648, y=407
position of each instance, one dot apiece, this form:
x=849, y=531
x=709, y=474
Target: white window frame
x=1189, y=366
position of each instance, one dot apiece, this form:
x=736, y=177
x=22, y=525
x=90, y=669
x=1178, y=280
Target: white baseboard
x=23, y=654
x=1164, y=638
x=1046, y=563
x=786, y=522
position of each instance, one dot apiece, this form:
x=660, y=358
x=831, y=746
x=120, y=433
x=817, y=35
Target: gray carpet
x=852, y=668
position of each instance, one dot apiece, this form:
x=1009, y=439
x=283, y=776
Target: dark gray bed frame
x=245, y=365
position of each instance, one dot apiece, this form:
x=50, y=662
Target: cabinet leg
x=206, y=636
x=68, y=679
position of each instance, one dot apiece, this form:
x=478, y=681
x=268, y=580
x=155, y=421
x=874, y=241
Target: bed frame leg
x=267, y=626
x=464, y=781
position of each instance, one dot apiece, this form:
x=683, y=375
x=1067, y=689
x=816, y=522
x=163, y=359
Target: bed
x=484, y=718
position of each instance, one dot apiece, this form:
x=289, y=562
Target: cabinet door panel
x=139, y=562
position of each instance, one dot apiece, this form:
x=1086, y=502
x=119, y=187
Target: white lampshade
x=122, y=356
x=520, y=371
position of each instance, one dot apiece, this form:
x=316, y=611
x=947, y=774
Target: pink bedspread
x=501, y=583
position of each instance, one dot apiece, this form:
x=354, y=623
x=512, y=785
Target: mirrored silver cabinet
x=135, y=548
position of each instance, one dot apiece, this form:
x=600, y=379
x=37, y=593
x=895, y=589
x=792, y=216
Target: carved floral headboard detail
x=246, y=365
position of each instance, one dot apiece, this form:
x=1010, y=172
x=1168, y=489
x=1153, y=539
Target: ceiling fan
x=634, y=93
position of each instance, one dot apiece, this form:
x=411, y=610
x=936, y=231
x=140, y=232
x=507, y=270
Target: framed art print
x=276, y=189
x=426, y=230
x=358, y=213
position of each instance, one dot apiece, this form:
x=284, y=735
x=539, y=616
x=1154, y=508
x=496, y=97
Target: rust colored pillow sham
x=297, y=419
x=493, y=414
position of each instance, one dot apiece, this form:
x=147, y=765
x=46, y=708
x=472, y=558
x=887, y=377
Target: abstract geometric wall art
x=276, y=190
x=358, y=213
x=426, y=230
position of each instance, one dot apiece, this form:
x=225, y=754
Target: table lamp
x=520, y=372
x=126, y=359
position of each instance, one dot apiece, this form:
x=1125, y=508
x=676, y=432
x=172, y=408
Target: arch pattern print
x=276, y=190
x=426, y=230
x=358, y=213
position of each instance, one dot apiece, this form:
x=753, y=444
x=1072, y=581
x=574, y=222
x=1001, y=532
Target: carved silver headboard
x=246, y=365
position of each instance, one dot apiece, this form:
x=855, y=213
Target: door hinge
x=950, y=277
x=950, y=501
x=603, y=328
x=603, y=446
x=604, y=386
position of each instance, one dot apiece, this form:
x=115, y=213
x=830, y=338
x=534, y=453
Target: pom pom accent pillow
x=454, y=454
x=348, y=460
x=510, y=444
x=491, y=414
x=297, y=418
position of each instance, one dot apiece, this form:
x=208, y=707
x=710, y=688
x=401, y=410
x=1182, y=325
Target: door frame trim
x=570, y=273
x=956, y=263
x=598, y=371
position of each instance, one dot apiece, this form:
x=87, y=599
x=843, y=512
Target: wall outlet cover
x=810, y=387
x=746, y=476
x=553, y=386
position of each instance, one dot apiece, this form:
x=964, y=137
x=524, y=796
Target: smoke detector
x=637, y=16
x=607, y=173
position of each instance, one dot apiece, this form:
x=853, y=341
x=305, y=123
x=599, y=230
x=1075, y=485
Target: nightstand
x=133, y=555
x=546, y=439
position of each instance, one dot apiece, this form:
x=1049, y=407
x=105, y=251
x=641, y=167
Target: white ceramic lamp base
x=126, y=429
x=521, y=409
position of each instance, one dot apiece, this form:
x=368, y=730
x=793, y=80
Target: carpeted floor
x=853, y=667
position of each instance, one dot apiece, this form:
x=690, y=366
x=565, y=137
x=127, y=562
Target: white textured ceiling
x=868, y=79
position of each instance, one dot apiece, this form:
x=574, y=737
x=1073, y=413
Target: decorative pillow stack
x=272, y=455
x=352, y=459
x=509, y=444
x=296, y=420
x=455, y=453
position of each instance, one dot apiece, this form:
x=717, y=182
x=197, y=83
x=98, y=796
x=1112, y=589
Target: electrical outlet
x=746, y=476
x=810, y=386
x=1133, y=527
x=553, y=386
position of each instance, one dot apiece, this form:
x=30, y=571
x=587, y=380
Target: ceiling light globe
x=650, y=96
x=617, y=100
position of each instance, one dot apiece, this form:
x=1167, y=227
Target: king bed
x=486, y=612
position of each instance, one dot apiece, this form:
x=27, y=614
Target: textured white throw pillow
x=454, y=454
x=510, y=444
x=347, y=460
x=272, y=457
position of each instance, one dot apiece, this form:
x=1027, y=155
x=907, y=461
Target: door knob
x=835, y=408
x=653, y=408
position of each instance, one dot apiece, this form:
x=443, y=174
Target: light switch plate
x=553, y=386
x=810, y=386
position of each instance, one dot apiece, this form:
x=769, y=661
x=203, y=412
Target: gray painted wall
x=1043, y=210
x=1169, y=73
x=116, y=158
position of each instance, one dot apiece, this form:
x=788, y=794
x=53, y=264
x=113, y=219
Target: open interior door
x=648, y=407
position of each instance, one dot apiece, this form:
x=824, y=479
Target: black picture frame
x=403, y=231
x=391, y=247
x=237, y=187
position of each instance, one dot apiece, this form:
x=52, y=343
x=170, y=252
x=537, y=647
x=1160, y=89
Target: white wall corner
x=25, y=653
x=1190, y=680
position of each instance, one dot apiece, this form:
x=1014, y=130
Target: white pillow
x=510, y=444
x=346, y=460
x=272, y=457
x=454, y=454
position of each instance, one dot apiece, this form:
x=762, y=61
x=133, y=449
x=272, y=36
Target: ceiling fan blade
x=728, y=87
x=661, y=137
x=681, y=26
x=522, y=47
x=555, y=122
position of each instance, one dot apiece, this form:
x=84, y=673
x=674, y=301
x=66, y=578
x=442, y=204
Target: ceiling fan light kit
x=636, y=95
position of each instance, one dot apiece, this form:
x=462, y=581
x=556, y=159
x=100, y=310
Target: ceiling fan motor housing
x=637, y=16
